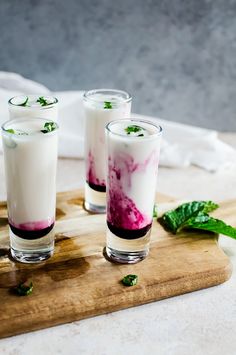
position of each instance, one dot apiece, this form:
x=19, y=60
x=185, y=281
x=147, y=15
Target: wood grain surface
x=78, y=282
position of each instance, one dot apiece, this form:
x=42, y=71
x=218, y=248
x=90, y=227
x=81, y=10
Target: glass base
x=34, y=250
x=127, y=251
x=30, y=257
x=94, y=208
x=95, y=201
x=126, y=257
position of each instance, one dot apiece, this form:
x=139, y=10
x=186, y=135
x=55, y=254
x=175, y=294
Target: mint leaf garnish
x=107, y=104
x=25, y=102
x=23, y=289
x=49, y=127
x=194, y=215
x=10, y=130
x=133, y=129
x=175, y=220
x=43, y=101
x=205, y=222
x=130, y=280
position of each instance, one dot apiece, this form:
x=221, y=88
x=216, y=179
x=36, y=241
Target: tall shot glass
x=133, y=154
x=101, y=106
x=30, y=156
x=33, y=106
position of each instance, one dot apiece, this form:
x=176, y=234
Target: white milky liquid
x=30, y=168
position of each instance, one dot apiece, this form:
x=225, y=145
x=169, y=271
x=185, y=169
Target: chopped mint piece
x=141, y=135
x=154, y=214
x=10, y=130
x=43, y=101
x=130, y=280
x=23, y=289
x=25, y=102
x=133, y=129
x=107, y=104
x=49, y=127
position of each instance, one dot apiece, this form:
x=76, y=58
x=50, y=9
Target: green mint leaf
x=23, y=289
x=43, y=101
x=205, y=222
x=25, y=102
x=10, y=130
x=133, y=129
x=154, y=214
x=107, y=104
x=175, y=220
x=49, y=127
x=130, y=280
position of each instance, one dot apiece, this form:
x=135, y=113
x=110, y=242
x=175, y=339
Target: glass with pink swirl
x=133, y=155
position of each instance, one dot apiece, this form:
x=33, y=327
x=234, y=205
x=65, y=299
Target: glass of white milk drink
x=33, y=106
x=132, y=165
x=30, y=156
x=101, y=106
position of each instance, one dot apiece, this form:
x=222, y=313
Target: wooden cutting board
x=78, y=282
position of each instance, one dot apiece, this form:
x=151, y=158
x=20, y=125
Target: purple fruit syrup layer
x=129, y=234
x=122, y=212
x=91, y=178
x=31, y=234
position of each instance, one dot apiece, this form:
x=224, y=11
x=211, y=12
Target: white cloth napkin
x=182, y=145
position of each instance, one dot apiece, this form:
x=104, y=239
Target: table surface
x=202, y=322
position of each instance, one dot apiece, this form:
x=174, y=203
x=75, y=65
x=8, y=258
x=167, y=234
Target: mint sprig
x=43, y=101
x=133, y=129
x=10, y=130
x=107, y=105
x=194, y=215
x=49, y=127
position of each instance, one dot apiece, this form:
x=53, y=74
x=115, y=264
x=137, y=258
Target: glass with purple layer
x=101, y=106
x=133, y=156
x=30, y=155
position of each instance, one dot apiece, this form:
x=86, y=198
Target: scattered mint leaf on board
x=49, y=127
x=107, y=104
x=24, y=103
x=23, y=289
x=43, y=101
x=130, y=280
x=133, y=129
x=174, y=220
x=10, y=130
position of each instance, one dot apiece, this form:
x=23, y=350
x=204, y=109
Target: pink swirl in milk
x=121, y=210
x=33, y=226
x=91, y=172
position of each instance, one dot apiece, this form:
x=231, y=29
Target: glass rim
x=4, y=130
x=55, y=101
x=154, y=135
x=88, y=95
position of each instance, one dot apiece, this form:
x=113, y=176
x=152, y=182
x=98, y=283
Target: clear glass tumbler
x=101, y=106
x=133, y=155
x=30, y=155
x=33, y=106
